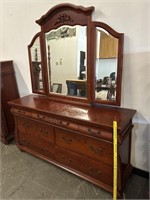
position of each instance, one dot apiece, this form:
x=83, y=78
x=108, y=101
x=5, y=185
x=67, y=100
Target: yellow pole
x=115, y=160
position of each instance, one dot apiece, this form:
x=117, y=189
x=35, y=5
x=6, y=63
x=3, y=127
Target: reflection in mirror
x=106, y=65
x=66, y=60
x=36, y=65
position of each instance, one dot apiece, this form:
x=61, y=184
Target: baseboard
x=141, y=172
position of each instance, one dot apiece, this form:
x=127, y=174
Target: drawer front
x=37, y=129
x=96, y=132
x=93, y=148
x=98, y=170
x=36, y=135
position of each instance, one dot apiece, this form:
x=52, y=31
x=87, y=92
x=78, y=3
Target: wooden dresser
x=9, y=91
x=74, y=130
x=78, y=139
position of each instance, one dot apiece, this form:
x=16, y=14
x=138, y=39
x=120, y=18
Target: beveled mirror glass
x=66, y=49
x=108, y=49
x=36, y=65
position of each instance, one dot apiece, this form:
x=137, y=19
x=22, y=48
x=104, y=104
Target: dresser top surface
x=98, y=115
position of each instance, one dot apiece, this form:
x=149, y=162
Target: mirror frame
x=31, y=67
x=120, y=37
x=67, y=14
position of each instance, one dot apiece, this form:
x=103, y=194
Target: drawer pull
x=96, y=150
x=68, y=140
x=21, y=112
x=64, y=123
x=43, y=131
x=26, y=125
x=91, y=131
x=40, y=116
x=93, y=171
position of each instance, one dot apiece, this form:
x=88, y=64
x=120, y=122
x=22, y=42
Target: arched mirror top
x=65, y=14
x=76, y=60
x=108, y=60
x=66, y=35
x=35, y=61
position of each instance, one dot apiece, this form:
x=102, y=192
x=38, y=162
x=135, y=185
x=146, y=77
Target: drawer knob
x=68, y=140
x=40, y=116
x=91, y=131
x=43, y=131
x=26, y=125
x=64, y=123
x=96, y=150
x=99, y=172
x=21, y=112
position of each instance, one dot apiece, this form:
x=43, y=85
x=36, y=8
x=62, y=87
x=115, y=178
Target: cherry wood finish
x=68, y=14
x=34, y=68
x=76, y=138
x=120, y=37
x=9, y=91
x=74, y=133
x=59, y=15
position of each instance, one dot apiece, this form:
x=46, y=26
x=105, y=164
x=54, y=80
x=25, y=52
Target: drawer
x=36, y=129
x=96, y=132
x=36, y=136
x=98, y=170
x=42, y=147
x=85, y=145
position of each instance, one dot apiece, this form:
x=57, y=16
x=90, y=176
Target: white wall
x=104, y=67
x=128, y=16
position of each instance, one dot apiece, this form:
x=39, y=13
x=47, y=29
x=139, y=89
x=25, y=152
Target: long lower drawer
x=95, y=169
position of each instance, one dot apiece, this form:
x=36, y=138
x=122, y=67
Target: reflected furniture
x=36, y=72
x=71, y=131
x=76, y=87
x=9, y=91
x=72, y=88
x=57, y=87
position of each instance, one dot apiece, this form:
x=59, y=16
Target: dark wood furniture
x=72, y=132
x=76, y=138
x=9, y=91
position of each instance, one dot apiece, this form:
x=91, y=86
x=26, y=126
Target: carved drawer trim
x=65, y=123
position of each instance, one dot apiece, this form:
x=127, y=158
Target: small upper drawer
x=85, y=145
x=36, y=129
x=96, y=132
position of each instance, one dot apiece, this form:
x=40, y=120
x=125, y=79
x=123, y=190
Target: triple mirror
x=75, y=59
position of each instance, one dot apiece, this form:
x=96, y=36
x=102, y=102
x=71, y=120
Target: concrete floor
x=26, y=177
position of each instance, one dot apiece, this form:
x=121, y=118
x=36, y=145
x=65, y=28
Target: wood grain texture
x=75, y=138
x=9, y=91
